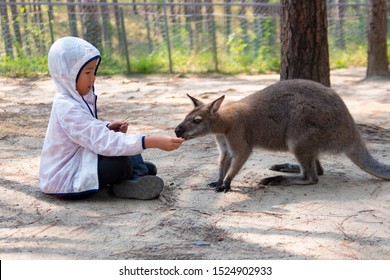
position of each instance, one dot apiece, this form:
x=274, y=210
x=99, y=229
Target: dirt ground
x=345, y=216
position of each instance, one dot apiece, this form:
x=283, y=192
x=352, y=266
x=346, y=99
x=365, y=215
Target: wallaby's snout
x=179, y=130
x=183, y=131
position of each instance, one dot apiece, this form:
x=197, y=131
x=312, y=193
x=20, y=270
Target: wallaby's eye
x=197, y=120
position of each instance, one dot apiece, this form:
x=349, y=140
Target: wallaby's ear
x=196, y=102
x=214, y=106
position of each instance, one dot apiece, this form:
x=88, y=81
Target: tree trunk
x=92, y=31
x=378, y=63
x=16, y=24
x=304, y=42
x=135, y=7
x=174, y=18
x=6, y=32
x=340, y=15
x=39, y=23
x=50, y=15
x=209, y=17
x=198, y=18
x=72, y=18
x=244, y=24
x=118, y=25
x=260, y=15
x=147, y=24
x=107, y=36
x=188, y=16
x=228, y=21
x=25, y=23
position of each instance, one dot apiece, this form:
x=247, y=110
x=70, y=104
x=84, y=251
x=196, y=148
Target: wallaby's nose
x=179, y=131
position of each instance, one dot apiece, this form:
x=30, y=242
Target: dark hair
x=98, y=57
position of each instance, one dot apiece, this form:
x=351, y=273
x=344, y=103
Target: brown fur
x=299, y=116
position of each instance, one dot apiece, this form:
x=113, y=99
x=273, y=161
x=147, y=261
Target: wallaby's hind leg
x=309, y=173
x=295, y=168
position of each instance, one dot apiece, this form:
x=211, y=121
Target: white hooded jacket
x=74, y=136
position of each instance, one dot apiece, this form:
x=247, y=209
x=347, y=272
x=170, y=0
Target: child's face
x=86, y=78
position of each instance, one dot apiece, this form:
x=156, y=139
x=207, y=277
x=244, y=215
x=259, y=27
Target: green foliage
x=190, y=61
x=351, y=56
x=265, y=60
x=388, y=46
x=111, y=65
x=251, y=54
x=23, y=66
x=148, y=64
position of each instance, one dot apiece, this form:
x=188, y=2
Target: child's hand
x=166, y=143
x=118, y=126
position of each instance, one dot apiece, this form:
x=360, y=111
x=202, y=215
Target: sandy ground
x=345, y=216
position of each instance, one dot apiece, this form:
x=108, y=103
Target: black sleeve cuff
x=143, y=142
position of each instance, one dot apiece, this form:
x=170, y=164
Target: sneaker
x=144, y=188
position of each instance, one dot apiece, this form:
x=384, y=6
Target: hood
x=67, y=57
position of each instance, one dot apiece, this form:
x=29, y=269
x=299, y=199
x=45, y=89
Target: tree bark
x=304, y=41
x=188, y=12
x=6, y=32
x=107, y=36
x=243, y=24
x=16, y=23
x=340, y=15
x=92, y=31
x=148, y=29
x=378, y=63
x=209, y=17
x=198, y=18
x=228, y=21
x=72, y=18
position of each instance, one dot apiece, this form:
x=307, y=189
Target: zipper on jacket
x=90, y=110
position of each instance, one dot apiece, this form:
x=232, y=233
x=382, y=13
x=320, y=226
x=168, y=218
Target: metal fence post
x=215, y=48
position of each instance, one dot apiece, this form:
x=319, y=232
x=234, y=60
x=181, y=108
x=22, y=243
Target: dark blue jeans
x=112, y=170
x=139, y=167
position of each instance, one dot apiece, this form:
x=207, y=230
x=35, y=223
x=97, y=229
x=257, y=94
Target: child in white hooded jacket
x=80, y=153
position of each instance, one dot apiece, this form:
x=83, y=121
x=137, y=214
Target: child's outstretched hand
x=119, y=126
x=162, y=142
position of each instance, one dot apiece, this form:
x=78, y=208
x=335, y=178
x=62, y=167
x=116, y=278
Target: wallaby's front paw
x=219, y=187
x=222, y=188
x=227, y=188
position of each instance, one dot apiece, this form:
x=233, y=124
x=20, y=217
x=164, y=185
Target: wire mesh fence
x=170, y=35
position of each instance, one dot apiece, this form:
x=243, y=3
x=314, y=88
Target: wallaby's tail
x=359, y=155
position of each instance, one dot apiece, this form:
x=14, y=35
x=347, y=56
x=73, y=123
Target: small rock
x=200, y=243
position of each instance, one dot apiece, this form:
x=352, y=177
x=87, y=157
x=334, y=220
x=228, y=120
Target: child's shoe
x=144, y=188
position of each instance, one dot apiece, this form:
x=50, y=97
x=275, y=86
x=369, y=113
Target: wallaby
x=299, y=116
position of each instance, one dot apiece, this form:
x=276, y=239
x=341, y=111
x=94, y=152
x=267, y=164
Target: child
x=81, y=153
